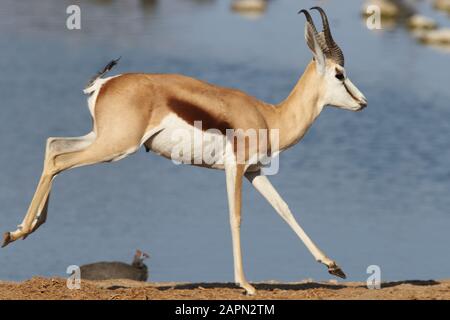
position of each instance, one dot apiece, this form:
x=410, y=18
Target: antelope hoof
x=249, y=289
x=7, y=239
x=335, y=270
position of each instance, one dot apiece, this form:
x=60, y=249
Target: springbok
x=134, y=110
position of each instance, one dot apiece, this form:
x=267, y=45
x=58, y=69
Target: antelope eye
x=340, y=76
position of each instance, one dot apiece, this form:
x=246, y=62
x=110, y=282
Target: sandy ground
x=55, y=288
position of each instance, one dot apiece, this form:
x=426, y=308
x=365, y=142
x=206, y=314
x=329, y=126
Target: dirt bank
x=55, y=288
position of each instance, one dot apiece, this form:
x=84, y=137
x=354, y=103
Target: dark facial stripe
x=349, y=92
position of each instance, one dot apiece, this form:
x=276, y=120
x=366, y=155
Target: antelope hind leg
x=41, y=217
x=37, y=212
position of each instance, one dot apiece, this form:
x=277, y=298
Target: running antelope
x=134, y=110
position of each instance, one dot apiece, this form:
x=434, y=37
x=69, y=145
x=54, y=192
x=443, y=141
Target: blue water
x=369, y=188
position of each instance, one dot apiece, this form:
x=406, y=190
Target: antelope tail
x=102, y=72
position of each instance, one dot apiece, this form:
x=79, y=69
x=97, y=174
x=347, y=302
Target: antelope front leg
x=234, y=174
x=263, y=185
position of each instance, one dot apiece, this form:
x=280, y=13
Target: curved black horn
x=310, y=23
x=309, y=19
x=335, y=51
x=326, y=26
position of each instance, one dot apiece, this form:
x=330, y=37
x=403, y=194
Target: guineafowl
x=117, y=270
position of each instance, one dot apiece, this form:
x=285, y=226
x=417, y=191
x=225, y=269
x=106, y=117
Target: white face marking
x=340, y=91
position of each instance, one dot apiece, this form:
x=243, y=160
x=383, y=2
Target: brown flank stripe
x=190, y=112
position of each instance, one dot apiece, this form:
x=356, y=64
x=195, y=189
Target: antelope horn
x=313, y=27
x=335, y=53
x=308, y=18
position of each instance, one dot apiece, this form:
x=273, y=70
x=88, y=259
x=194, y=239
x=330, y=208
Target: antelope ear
x=313, y=44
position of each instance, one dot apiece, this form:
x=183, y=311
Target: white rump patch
x=93, y=91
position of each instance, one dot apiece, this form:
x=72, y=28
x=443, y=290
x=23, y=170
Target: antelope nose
x=363, y=103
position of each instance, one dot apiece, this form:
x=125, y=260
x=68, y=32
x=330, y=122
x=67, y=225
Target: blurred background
x=369, y=188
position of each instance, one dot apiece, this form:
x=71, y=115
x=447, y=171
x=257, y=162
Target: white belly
x=183, y=143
